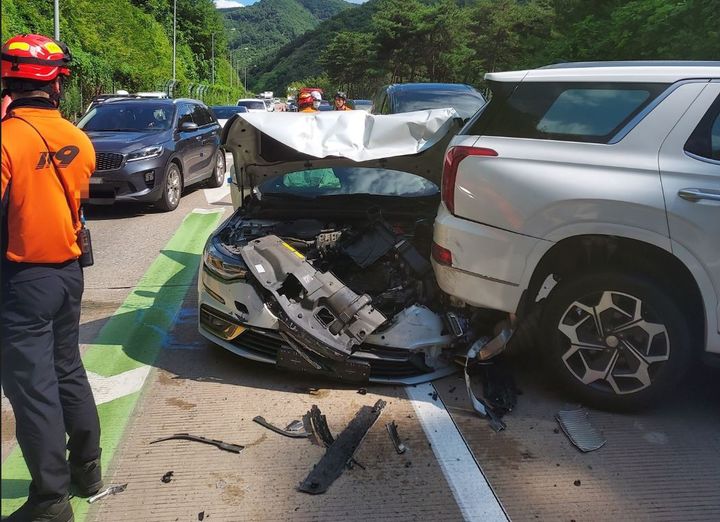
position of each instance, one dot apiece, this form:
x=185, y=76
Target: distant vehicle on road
x=152, y=94
x=408, y=97
x=325, y=106
x=253, y=104
x=585, y=199
x=224, y=112
x=361, y=105
x=148, y=150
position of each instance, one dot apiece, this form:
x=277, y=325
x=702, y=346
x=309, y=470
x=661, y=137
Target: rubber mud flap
x=341, y=451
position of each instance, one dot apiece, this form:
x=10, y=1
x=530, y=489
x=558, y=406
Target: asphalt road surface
x=154, y=376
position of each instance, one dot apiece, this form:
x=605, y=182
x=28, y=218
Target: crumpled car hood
x=266, y=145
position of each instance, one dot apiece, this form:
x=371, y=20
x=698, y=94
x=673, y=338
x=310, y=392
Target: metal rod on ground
x=57, y=19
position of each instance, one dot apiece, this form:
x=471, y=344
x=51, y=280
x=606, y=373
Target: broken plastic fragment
x=576, y=425
x=395, y=437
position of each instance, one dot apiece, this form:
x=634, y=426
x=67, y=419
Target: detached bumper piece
x=340, y=451
x=316, y=311
x=499, y=393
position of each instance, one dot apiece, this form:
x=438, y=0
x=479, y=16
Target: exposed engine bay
x=340, y=286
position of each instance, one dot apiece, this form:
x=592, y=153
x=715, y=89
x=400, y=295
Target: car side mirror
x=189, y=126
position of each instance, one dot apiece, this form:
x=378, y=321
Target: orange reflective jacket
x=42, y=221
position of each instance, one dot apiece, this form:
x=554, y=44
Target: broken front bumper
x=234, y=315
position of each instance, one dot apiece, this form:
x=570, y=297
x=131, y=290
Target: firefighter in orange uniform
x=46, y=165
x=306, y=102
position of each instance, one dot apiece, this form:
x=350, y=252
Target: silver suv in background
x=585, y=198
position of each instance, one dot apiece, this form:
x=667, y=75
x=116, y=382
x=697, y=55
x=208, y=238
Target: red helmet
x=34, y=57
x=305, y=99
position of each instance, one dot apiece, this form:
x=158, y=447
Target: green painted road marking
x=132, y=337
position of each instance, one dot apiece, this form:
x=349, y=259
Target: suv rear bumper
x=489, y=263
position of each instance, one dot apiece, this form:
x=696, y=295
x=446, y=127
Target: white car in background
x=253, y=104
x=585, y=198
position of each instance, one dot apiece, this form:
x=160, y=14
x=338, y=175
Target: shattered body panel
x=316, y=309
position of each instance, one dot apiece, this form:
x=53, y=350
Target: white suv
x=585, y=198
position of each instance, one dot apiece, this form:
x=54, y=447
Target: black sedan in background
x=224, y=112
x=148, y=150
x=408, y=97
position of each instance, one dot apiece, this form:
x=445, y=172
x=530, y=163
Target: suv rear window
x=564, y=111
x=705, y=139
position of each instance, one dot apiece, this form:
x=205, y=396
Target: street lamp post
x=57, y=20
x=174, y=35
x=213, y=57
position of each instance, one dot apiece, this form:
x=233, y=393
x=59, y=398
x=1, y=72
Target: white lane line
x=471, y=490
x=217, y=194
x=106, y=389
x=208, y=210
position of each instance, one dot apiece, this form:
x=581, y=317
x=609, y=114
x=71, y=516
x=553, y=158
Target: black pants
x=43, y=375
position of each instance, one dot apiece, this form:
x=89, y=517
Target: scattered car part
x=486, y=350
x=340, y=452
x=480, y=405
x=233, y=448
x=294, y=426
x=167, y=477
x=112, y=490
x=454, y=323
x=395, y=437
x=314, y=308
x=576, y=425
x=316, y=424
x=293, y=434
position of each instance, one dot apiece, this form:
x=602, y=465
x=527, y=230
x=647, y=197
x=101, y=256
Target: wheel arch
x=585, y=252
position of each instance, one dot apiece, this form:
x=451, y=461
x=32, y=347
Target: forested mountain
x=385, y=41
x=127, y=44
x=257, y=31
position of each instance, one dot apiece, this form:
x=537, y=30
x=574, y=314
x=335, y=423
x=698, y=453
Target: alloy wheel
x=616, y=342
x=172, y=186
x=220, y=168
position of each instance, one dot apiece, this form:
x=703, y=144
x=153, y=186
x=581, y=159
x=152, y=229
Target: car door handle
x=695, y=194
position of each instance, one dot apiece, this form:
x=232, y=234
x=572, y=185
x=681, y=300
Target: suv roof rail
x=636, y=63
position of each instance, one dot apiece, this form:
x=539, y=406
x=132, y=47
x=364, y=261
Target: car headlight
x=223, y=265
x=146, y=153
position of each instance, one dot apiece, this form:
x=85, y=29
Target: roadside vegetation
x=127, y=44
x=385, y=41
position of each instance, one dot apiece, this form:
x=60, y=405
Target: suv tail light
x=453, y=157
x=441, y=255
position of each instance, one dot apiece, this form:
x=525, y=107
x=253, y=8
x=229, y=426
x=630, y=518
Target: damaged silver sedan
x=325, y=266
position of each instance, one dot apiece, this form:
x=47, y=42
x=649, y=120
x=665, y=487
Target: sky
x=222, y=4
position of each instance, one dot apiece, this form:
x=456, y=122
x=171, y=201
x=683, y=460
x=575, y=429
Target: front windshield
x=464, y=103
x=253, y=104
x=127, y=117
x=348, y=180
x=224, y=113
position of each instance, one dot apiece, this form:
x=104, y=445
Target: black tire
x=172, y=189
x=217, y=179
x=659, y=332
